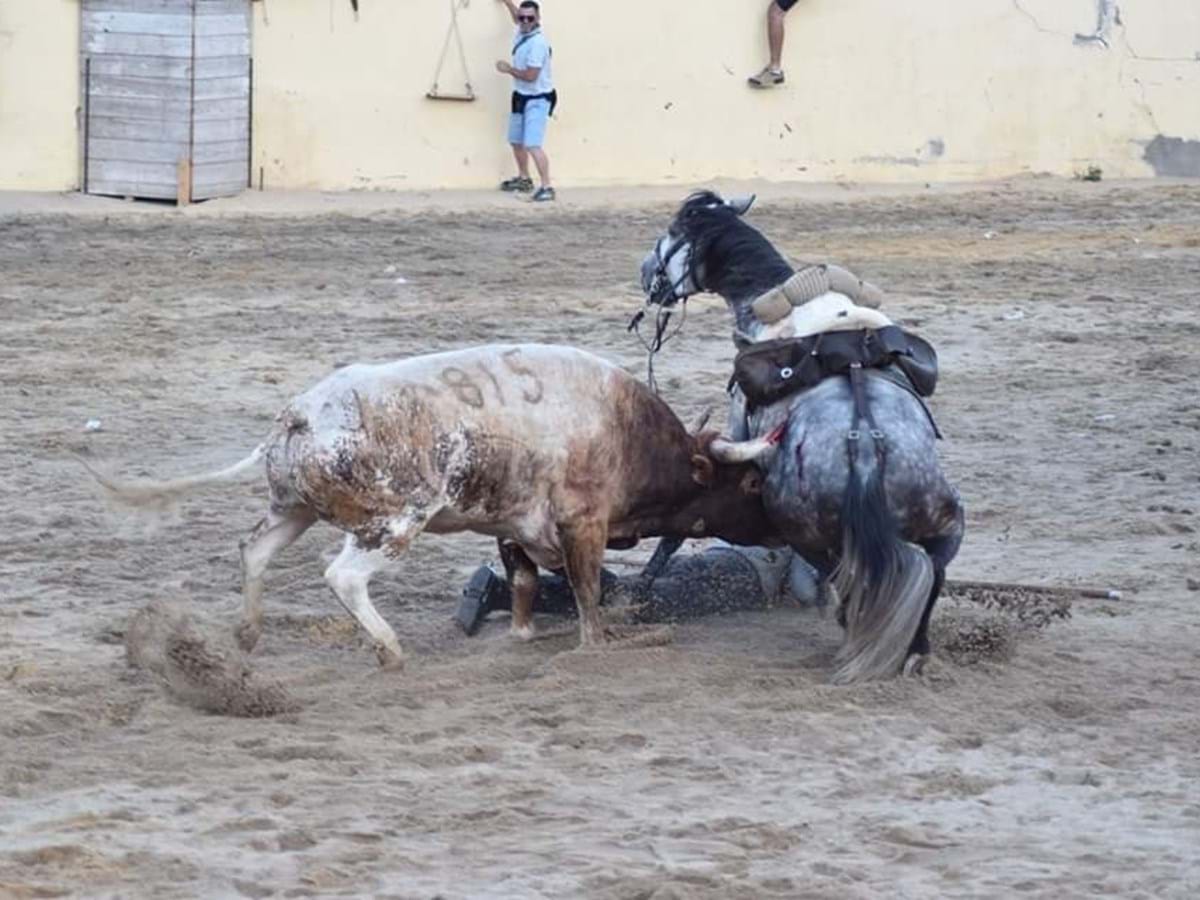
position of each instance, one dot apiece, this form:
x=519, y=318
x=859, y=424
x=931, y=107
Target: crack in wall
x=1032, y=18
x=1108, y=17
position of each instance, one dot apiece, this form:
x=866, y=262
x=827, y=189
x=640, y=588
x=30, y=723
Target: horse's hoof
x=389, y=660
x=247, y=635
x=522, y=632
x=914, y=666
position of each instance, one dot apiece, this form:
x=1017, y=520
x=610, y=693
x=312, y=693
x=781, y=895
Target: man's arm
x=530, y=74
x=512, y=9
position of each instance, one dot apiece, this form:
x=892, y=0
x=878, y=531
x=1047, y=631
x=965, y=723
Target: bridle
x=664, y=291
x=664, y=294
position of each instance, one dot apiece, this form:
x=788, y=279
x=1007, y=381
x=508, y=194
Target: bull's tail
x=156, y=496
x=882, y=581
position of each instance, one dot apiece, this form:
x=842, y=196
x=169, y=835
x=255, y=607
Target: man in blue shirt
x=533, y=98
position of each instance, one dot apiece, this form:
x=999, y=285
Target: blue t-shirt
x=533, y=52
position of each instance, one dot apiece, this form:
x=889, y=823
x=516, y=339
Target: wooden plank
x=235, y=88
x=183, y=189
x=221, y=152
x=223, y=67
x=162, y=174
x=97, y=43
x=119, y=65
x=167, y=67
x=229, y=108
x=221, y=130
x=228, y=45
x=167, y=90
x=172, y=24
x=137, y=6
x=218, y=25
x=219, y=172
x=177, y=89
x=227, y=189
x=158, y=151
x=170, y=151
x=121, y=128
x=222, y=7
x=140, y=108
x=146, y=150
x=119, y=188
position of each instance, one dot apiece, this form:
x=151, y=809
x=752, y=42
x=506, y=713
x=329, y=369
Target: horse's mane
x=738, y=260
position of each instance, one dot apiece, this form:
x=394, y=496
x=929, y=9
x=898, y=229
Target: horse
x=864, y=502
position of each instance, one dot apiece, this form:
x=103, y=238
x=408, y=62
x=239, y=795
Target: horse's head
x=675, y=269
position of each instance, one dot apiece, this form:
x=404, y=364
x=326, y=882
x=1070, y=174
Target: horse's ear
x=741, y=204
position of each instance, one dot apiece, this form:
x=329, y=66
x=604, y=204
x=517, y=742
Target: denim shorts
x=529, y=128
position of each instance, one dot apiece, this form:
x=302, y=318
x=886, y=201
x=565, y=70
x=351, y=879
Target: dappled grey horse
x=861, y=498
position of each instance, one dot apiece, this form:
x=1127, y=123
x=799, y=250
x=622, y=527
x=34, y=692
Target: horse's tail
x=882, y=581
x=155, y=496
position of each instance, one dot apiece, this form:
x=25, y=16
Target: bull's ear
x=741, y=204
x=703, y=469
x=752, y=482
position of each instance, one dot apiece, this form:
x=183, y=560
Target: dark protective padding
x=772, y=370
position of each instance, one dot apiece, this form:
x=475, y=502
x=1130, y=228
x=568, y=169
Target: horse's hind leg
x=918, y=650
x=941, y=550
x=274, y=532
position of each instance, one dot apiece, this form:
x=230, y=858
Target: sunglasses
x=526, y=18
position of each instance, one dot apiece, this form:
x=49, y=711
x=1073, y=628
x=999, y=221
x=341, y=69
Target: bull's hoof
x=389, y=660
x=914, y=666
x=247, y=634
x=522, y=632
x=594, y=636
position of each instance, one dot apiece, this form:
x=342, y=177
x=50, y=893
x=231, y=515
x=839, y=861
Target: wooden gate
x=166, y=88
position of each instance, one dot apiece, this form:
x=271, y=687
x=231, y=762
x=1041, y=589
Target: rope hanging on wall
x=467, y=93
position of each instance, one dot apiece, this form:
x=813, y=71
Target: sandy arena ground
x=718, y=765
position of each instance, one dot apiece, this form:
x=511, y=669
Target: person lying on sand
x=720, y=579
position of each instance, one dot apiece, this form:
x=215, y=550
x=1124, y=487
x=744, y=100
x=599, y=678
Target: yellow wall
x=875, y=88
x=39, y=93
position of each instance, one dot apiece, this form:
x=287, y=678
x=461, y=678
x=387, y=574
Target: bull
x=551, y=450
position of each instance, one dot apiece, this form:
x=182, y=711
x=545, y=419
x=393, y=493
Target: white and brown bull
x=551, y=450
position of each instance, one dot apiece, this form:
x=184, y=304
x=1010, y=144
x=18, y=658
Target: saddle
x=772, y=370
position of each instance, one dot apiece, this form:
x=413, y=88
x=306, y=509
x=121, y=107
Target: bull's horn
x=700, y=420
x=741, y=204
x=745, y=451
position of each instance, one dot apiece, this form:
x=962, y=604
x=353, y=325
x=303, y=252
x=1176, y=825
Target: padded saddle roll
x=808, y=284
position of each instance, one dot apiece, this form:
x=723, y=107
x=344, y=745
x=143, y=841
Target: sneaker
x=542, y=194
x=518, y=184
x=478, y=597
x=767, y=78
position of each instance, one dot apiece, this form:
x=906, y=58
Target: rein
x=662, y=318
